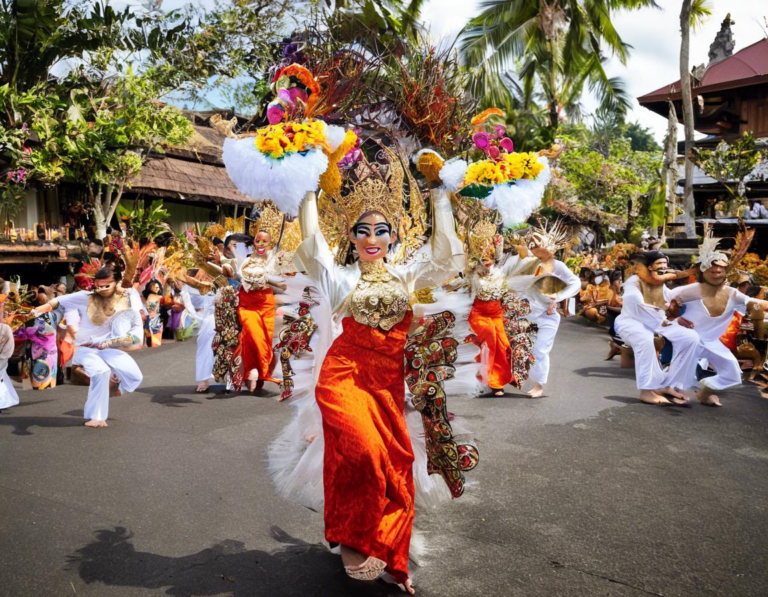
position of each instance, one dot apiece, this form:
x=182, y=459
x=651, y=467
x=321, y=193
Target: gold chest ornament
x=379, y=299
x=254, y=273
x=491, y=287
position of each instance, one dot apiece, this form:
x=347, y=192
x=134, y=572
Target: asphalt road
x=585, y=492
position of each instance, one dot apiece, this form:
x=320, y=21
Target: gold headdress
x=376, y=185
x=481, y=227
x=379, y=187
x=285, y=235
x=551, y=238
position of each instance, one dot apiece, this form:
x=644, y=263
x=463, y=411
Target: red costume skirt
x=257, y=321
x=368, y=460
x=487, y=322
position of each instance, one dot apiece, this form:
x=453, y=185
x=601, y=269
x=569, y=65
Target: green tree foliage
x=559, y=46
x=37, y=34
x=98, y=134
x=731, y=163
x=610, y=176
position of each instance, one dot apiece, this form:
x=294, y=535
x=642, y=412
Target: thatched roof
x=192, y=172
x=204, y=146
x=177, y=178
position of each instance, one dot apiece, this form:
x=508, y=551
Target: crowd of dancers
x=377, y=281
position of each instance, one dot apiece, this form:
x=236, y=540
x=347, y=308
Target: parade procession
x=349, y=336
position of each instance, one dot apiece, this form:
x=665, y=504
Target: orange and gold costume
x=257, y=320
x=256, y=311
x=487, y=322
x=368, y=464
x=368, y=458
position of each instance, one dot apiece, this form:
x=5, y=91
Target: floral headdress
x=288, y=157
x=511, y=182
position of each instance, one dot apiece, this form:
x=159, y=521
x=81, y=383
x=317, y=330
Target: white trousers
x=8, y=395
x=650, y=376
x=725, y=364
x=99, y=365
x=545, y=340
x=204, y=357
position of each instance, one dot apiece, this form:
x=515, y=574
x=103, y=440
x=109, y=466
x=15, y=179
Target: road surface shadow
x=168, y=395
x=673, y=409
x=607, y=372
x=22, y=425
x=227, y=568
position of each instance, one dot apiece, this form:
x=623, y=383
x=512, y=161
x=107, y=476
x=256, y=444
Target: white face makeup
x=372, y=236
x=104, y=288
x=262, y=243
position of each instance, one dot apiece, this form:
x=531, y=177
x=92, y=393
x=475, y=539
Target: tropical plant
x=560, y=44
x=731, y=163
x=620, y=181
x=143, y=222
x=692, y=14
x=99, y=134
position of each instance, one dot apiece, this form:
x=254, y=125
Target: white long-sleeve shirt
x=431, y=266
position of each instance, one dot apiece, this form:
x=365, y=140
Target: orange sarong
x=487, y=322
x=257, y=321
x=368, y=460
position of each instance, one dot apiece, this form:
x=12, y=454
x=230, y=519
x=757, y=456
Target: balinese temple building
x=730, y=97
x=52, y=230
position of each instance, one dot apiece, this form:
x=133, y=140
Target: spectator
x=758, y=211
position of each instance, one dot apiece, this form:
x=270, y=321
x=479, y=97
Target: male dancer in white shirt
x=110, y=325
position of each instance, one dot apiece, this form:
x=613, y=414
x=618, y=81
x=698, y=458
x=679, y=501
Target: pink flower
x=507, y=145
x=500, y=129
x=482, y=140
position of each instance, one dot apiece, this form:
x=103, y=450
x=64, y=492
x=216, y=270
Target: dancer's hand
x=685, y=323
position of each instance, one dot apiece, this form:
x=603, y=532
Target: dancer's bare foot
x=536, y=391
x=251, y=385
x=202, y=387
x=651, y=397
x=352, y=557
x=614, y=350
x=95, y=423
x=677, y=396
x=707, y=397
x=498, y=392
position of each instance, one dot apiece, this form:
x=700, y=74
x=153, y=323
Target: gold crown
x=377, y=188
x=270, y=221
x=480, y=240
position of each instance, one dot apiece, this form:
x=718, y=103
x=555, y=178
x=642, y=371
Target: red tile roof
x=746, y=67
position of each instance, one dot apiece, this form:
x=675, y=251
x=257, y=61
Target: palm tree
x=692, y=14
x=36, y=34
x=560, y=44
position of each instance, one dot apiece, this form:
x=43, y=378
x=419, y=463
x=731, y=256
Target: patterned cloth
x=228, y=357
x=42, y=335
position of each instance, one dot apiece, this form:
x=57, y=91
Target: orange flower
x=485, y=115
